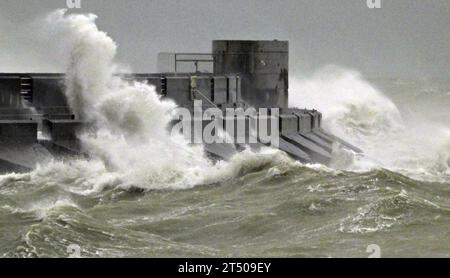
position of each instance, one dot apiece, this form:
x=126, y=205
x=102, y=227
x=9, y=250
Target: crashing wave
x=358, y=112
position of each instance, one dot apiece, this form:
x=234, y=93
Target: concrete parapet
x=262, y=65
x=18, y=132
x=10, y=92
x=289, y=124
x=62, y=130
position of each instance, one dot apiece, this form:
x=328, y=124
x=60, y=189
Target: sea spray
x=266, y=205
x=130, y=145
x=351, y=106
x=357, y=111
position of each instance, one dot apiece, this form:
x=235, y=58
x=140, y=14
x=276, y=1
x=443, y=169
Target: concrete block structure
x=262, y=65
x=18, y=132
x=62, y=130
x=10, y=92
x=242, y=74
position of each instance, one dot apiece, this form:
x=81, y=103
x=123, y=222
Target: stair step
x=26, y=88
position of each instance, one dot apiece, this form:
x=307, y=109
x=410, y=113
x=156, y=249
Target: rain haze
x=337, y=148
x=402, y=39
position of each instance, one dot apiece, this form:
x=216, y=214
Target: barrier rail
x=186, y=62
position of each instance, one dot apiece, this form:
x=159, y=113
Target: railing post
x=176, y=62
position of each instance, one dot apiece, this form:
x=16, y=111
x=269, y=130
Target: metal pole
x=175, y=62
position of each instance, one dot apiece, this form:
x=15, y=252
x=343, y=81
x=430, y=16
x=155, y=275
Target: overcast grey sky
x=405, y=38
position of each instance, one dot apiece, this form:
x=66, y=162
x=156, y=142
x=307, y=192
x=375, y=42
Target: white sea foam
x=130, y=146
x=360, y=113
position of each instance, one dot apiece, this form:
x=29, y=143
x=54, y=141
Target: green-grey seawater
x=267, y=207
x=144, y=193
x=298, y=212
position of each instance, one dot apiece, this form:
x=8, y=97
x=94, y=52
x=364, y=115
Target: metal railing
x=186, y=62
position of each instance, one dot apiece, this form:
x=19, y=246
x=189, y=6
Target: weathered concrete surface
x=247, y=74
x=18, y=132
x=262, y=65
x=48, y=91
x=62, y=130
x=22, y=158
x=10, y=91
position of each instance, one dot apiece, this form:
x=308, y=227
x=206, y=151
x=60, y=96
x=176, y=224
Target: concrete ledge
x=9, y=167
x=62, y=130
x=15, y=111
x=18, y=132
x=16, y=117
x=289, y=124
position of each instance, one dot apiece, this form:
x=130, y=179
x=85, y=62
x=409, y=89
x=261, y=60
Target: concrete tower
x=262, y=65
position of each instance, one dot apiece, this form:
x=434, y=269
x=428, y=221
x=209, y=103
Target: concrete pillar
x=263, y=67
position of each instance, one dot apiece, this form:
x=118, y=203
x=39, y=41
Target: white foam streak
x=129, y=144
x=358, y=112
